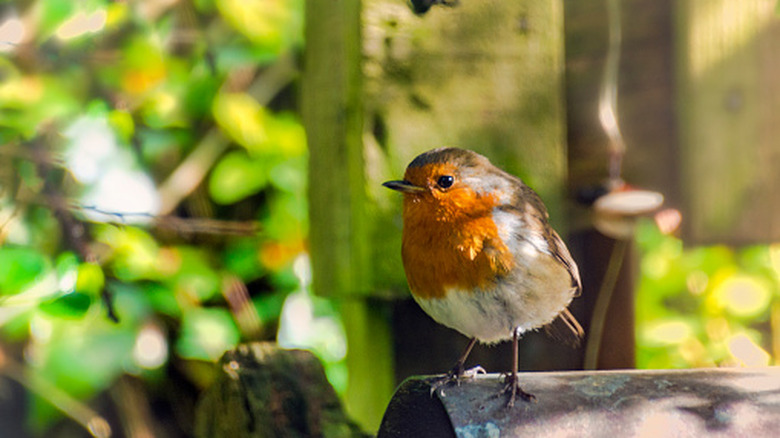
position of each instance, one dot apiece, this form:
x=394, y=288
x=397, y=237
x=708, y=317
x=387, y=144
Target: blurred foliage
x=706, y=306
x=151, y=165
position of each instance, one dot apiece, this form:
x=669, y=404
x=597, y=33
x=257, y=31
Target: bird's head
x=449, y=183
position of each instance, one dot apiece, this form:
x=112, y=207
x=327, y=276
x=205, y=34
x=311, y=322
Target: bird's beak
x=403, y=186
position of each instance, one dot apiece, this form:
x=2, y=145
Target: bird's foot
x=456, y=375
x=512, y=386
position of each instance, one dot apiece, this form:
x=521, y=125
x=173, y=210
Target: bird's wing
x=535, y=211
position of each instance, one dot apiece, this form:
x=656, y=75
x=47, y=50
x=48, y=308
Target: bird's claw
x=512, y=386
x=470, y=373
x=456, y=375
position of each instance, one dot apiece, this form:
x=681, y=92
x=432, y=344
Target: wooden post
x=261, y=390
x=332, y=109
x=339, y=233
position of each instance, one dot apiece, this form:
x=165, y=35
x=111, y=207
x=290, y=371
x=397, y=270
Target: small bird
x=481, y=257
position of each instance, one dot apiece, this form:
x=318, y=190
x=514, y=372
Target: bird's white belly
x=492, y=314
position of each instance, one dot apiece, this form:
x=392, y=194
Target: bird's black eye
x=445, y=181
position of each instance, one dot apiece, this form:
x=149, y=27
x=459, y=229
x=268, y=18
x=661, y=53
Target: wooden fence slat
x=728, y=100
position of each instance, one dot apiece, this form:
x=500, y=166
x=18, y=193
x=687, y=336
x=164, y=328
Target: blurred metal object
x=608, y=113
x=615, y=213
x=700, y=402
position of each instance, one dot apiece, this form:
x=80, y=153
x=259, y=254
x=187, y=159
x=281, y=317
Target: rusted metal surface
x=634, y=403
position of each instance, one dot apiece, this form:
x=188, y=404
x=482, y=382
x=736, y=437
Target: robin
x=481, y=257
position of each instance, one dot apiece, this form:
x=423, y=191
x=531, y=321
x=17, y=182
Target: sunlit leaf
x=26, y=102
x=53, y=13
x=135, y=252
x=206, y=334
x=275, y=25
x=90, y=279
x=20, y=267
x=118, y=14
x=287, y=135
x=260, y=132
x=277, y=254
x=122, y=122
x=72, y=305
x=668, y=332
x=235, y=177
x=67, y=265
x=196, y=279
x=82, y=24
x=290, y=175
x=242, y=118
x=143, y=65
x=288, y=216
x=84, y=361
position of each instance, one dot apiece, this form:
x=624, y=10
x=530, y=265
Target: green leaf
x=290, y=175
x=196, y=278
x=240, y=258
x=71, y=306
x=135, y=252
x=286, y=134
x=52, y=14
x=123, y=125
x=28, y=101
x=200, y=92
x=242, y=118
x=235, y=177
x=262, y=133
x=19, y=268
x=275, y=26
x=162, y=299
x=206, y=334
x=86, y=359
x=90, y=279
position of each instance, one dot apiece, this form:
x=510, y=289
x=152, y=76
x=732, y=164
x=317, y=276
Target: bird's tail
x=566, y=329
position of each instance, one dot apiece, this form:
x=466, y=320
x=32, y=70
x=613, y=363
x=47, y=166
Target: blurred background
x=180, y=176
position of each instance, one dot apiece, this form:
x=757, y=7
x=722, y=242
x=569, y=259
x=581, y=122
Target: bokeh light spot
x=742, y=295
x=747, y=352
x=668, y=332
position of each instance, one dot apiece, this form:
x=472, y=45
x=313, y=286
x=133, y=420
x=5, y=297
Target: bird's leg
x=458, y=372
x=511, y=385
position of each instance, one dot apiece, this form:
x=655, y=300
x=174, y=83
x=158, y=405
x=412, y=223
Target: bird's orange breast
x=452, y=242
